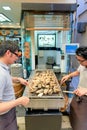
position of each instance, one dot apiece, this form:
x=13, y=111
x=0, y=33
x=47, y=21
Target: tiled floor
x=21, y=123
x=65, y=123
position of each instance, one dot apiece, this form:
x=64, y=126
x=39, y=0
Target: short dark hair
x=8, y=45
x=82, y=51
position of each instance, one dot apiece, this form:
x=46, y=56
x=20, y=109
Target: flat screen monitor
x=70, y=49
x=46, y=40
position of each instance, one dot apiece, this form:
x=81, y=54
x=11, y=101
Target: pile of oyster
x=44, y=83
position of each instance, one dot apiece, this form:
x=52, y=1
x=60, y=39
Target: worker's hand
x=23, y=81
x=23, y=101
x=65, y=78
x=80, y=91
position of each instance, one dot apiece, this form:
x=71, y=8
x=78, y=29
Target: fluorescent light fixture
x=3, y=18
x=6, y=8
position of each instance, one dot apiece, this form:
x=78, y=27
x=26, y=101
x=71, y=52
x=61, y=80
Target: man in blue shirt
x=9, y=53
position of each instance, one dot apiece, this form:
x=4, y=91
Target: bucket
x=18, y=89
x=16, y=70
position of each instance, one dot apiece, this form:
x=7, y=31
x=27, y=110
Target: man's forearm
x=76, y=73
x=15, y=79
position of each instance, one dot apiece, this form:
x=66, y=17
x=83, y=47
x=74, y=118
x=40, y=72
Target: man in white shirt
x=78, y=106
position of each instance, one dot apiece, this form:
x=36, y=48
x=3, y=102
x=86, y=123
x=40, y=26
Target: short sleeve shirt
x=83, y=76
x=6, y=86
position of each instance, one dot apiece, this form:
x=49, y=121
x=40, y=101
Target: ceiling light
x=6, y=8
x=3, y=18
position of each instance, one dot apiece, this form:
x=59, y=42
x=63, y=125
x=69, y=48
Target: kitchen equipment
x=71, y=92
x=43, y=111
x=54, y=101
x=16, y=70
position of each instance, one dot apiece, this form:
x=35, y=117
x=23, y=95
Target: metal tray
x=57, y=95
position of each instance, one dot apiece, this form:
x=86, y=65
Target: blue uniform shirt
x=6, y=86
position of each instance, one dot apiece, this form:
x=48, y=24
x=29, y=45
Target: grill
x=53, y=101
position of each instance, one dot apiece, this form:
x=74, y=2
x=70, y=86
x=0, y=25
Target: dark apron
x=78, y=113
x=8, y=120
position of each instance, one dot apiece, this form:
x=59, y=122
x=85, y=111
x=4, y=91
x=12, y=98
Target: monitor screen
x=46, y=40
x=70, y=49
